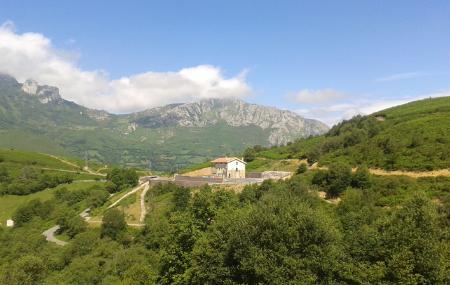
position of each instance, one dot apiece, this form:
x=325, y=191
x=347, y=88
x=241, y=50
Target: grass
x=9, y=203
x=197, y=166
x=262, y=164
x=131, y=207
x=160, y=205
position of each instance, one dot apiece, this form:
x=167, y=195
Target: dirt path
x=72, y=171
x=128, y=194
x=50, y=236
x=85, y=169
x=413, y=174
x=143, y=209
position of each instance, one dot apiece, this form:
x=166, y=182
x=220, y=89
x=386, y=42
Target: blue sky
x=323, y=59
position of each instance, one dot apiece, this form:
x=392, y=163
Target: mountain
x=414, y=136
x=36, y=117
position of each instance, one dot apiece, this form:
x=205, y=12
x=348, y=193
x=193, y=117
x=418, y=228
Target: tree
x=113, y=224
x=361, y=178
x=97, y=198
x=75, y=226
x=120, y=178
x=339, y=177
x=249, y=154
x=111, y=187
x=27, y=270
x=181, y=197
x=313, y=155
x=281, y=241
x=412, y=249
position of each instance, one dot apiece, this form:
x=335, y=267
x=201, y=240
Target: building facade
x=229, y=167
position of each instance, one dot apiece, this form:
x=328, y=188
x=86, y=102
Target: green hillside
x=414, y=136
x=153, y=138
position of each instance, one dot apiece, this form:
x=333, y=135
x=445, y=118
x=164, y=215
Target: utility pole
x=85, y=159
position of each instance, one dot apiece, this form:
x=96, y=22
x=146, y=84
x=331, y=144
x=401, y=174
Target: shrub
x=113, y=224
x=302, y=168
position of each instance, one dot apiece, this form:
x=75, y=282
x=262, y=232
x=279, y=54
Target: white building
x=229, y=167
x=10, y=223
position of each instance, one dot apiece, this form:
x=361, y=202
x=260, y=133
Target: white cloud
x=31, y=55
x=401, y=76
x=322, y=96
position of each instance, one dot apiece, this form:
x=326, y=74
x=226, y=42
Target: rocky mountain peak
x=45, y=93
x=30, y=86
x=284, y=126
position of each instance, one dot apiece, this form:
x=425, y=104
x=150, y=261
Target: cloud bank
x=32, y=55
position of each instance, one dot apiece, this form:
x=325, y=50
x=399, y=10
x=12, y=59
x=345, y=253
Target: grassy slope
x=414, y=136
x=9, y=203
x=15, y=161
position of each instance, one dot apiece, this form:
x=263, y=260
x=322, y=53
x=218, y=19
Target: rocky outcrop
x=284, y=126
x=46, y=94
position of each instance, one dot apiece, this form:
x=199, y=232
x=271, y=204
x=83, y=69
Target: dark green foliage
x=34, y=208
x=28, y=270
x=71, y=223
x=121, y=178
x=334, y=180
x=31, y=182
x=181, y=197
x=361, y=178
x=412, y=247
x=302, y=168
x=249, y=154
x=113, y=224
x=280, y=241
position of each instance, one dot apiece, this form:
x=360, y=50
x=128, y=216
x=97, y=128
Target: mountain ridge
x=174, y=133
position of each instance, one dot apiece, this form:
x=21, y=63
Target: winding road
x=50, y=236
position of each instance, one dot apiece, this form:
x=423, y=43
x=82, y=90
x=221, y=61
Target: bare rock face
x=45, y=93
x=284, y=126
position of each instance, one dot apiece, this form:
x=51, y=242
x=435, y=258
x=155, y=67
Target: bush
x=361, y=178
x=302, y=168
x=34, y=208
x=121, y=178
x=339, y=177
x=113, y=224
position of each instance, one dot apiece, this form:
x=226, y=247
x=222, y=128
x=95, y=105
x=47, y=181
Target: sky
x=327, y=60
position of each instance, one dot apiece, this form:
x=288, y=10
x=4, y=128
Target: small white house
x=229, y=167
x=9, y=223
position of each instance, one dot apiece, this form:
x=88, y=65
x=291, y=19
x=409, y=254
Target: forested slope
x=414, y=136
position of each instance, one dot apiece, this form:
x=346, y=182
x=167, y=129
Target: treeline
x=29, y=181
